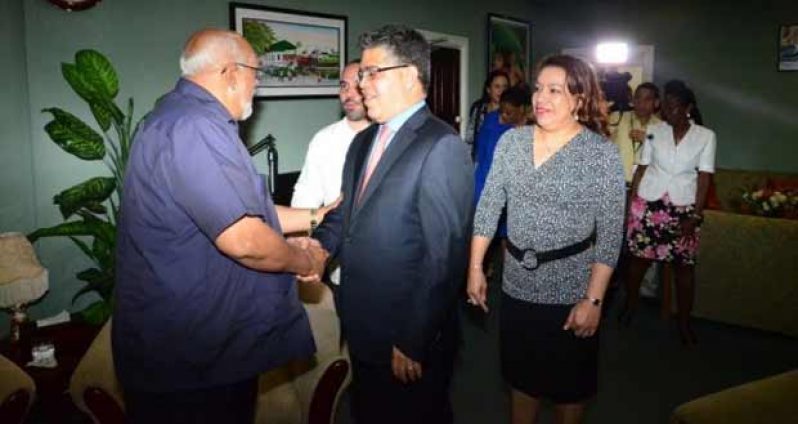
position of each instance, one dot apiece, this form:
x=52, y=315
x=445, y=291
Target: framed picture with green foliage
x=509, y=45
x=788, y=47
x=300, y=54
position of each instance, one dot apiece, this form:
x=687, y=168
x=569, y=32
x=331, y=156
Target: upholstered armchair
x=17, y=392
x=304, y=392
x=767, y=400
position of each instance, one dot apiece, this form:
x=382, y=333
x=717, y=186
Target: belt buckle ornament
x=530, y=259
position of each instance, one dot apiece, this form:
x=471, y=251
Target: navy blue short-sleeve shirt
x=187, y=316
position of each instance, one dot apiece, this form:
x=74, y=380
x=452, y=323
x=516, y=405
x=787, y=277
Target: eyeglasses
x=260, y=73
x=374, y=70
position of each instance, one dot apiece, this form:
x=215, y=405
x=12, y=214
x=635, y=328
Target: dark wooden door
x=443, y=97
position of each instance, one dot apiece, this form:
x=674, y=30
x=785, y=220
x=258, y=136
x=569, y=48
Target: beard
x=245, y=104
x=356, y=115
x=247, y=110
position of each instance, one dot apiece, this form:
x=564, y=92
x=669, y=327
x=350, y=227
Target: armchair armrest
x=93, y=387
x=320, y=387
x=17, y=391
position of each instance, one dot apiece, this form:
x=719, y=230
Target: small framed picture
x=509, y=44
x=302, y=54
x=788, y=47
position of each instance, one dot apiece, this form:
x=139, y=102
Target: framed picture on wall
x=788, y=47
x=301, y=54
x=509, y=46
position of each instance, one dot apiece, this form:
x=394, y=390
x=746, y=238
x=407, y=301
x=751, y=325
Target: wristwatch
x=314, y=222
x=594, y=301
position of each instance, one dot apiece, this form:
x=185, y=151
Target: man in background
x=628, y=128
x=319, y=182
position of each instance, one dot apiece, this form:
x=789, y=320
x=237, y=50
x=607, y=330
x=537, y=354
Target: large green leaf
x=103, y=250
x=104, y=230
x=74, y=136
x=97, y=208
x=101, y=114
x=98, y=72
x=83, y=247
x=86, y=194
x=96, y=228
x=99, y=280
x=96, y=313
x=78, y=82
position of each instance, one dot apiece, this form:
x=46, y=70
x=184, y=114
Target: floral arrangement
x=772, y=202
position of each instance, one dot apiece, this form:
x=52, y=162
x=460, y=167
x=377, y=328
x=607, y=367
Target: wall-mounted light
x=612, y=53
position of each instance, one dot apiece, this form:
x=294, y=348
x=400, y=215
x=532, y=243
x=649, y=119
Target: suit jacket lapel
x=359, y=165
x=400, y=142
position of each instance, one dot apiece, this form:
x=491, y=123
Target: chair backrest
x=94, y=387
x=17, y=391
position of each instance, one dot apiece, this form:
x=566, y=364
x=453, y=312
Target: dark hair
x=518, y=96
x=649, y=86
x=405, y=43
x=582, y=83
x=355, y=61
x=686, y=97
x=492, y=75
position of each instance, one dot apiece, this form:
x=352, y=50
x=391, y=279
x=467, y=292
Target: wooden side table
x=71, y=340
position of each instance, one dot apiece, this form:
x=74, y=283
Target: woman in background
x=669, y=193
x=494, y=86
x=513, y=106
x=562, y=182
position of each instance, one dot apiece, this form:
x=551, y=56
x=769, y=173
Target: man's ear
x=228, y=75
x=411, y=77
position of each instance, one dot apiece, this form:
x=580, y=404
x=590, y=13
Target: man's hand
x=324, y=209
x=638, y=136
x=404, y=368
x=316, y=254
x=583, y=319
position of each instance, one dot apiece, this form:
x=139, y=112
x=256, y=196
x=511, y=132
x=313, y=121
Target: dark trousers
x=380, y=398
x=233, y=403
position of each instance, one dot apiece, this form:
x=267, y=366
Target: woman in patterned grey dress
x=563, y=185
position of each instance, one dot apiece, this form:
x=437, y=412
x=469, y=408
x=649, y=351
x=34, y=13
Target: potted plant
x=90, y=209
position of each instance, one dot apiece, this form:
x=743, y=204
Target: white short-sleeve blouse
x=673, y=168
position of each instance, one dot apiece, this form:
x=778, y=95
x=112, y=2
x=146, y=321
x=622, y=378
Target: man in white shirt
x=319, y=181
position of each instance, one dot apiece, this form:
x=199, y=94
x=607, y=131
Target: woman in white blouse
x=670, y=187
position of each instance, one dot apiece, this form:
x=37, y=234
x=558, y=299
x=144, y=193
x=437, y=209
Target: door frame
x=458, y=43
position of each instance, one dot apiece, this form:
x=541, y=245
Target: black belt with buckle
x=530, y=259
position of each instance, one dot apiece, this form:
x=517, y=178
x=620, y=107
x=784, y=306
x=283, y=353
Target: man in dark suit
x=401, y=236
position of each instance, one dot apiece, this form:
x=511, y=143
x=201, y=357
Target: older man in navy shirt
x=205, y=296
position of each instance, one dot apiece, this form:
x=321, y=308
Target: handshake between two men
x=316, y=258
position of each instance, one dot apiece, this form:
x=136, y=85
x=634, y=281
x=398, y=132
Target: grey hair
x=200, y=56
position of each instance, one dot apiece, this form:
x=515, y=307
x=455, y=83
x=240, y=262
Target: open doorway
x=448, y=91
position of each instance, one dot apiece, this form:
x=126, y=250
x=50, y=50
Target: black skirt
x=541, y=359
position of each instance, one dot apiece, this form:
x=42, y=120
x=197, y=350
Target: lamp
x=22, y=278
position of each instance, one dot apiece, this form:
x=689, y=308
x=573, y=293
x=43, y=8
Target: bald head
x=208, y=48
x=222, y=63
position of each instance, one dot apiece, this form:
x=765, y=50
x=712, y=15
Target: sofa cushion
x=769, y=400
